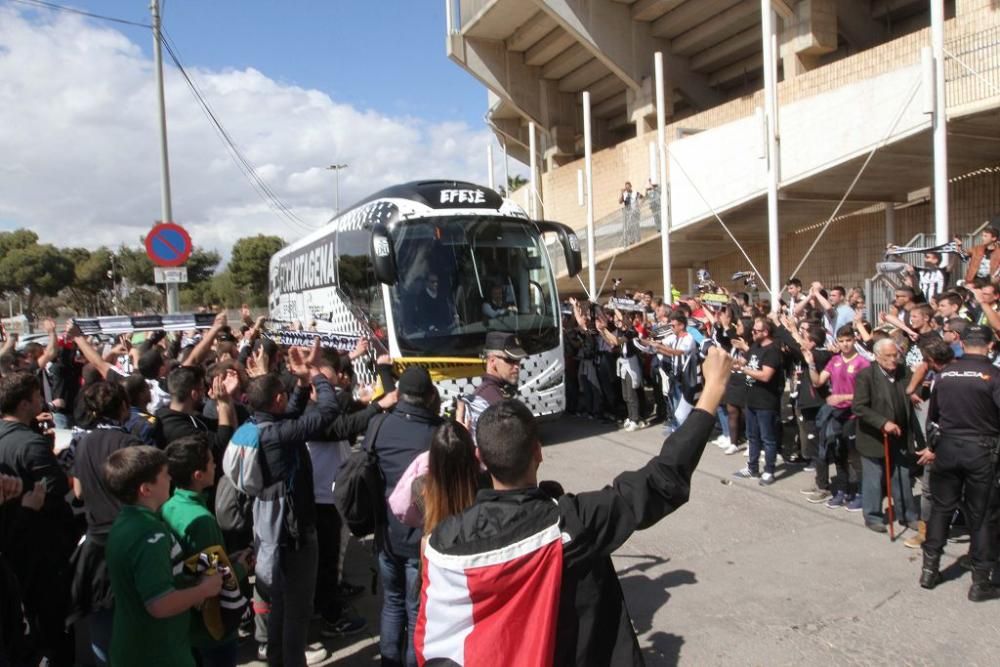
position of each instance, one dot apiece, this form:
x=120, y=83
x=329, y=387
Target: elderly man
x=884, y=410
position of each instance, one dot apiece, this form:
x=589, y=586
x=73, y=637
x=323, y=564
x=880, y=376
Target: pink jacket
x=401, y=502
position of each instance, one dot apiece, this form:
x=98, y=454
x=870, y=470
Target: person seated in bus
x=432, y=309
x=497, y=306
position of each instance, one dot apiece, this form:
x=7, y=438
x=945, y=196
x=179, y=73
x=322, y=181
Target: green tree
x=92, y=283
x=18, y=239
x=201, y=265
x=34, y=270
x=248, y=266
x=516, y=181
x=134, y=266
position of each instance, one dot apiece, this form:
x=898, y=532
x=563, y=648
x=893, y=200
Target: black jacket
x=25, y=453
x=494, y=389
x=593, y=627
x=965, y=402
x=171, y=425
x=405, y=433
x=352, y=418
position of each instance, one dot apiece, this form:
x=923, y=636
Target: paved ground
x=746, y=575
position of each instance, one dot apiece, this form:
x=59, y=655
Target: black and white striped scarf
x=950, y=247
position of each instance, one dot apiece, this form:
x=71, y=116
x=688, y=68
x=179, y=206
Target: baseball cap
x=415, y=381
x=507, y=344
x=977, y=334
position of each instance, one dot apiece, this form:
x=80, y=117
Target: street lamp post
x=336, y=170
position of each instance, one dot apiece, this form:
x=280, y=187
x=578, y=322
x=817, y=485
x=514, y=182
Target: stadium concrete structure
x=851, y=77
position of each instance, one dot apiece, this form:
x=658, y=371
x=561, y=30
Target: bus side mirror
x=569, y=241
x=383, y=255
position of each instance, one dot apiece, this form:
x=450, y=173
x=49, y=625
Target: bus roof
x=416, y=199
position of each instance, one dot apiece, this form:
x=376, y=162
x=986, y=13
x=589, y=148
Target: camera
x=749, y=279
x=704, y=281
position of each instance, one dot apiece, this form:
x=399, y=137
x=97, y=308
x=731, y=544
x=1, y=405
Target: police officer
x=502, y=355
x=965, y=405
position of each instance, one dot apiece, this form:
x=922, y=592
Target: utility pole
x=336, y=170
x=769, y=33
x=941, y=222
x=166, y=212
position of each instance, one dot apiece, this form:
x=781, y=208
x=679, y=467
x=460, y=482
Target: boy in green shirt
x=151, y=619
x=192, y=468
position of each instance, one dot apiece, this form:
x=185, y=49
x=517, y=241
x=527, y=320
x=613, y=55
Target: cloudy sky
x=297, y=84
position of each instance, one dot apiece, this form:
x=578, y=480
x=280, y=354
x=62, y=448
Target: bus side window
x=356, y=277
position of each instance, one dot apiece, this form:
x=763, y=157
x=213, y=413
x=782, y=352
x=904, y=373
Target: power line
x=244, y=165
x=63, y=8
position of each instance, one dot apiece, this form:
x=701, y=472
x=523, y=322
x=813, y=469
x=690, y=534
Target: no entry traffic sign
x=168, y=244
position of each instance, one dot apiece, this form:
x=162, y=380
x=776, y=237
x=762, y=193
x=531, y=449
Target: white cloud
x=81, y=152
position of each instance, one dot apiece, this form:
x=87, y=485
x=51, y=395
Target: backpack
x=241, y=463
x=359, y=492
x=233, y=510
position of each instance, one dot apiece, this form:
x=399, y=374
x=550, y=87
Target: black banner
x=339, y=342
x=116, y=324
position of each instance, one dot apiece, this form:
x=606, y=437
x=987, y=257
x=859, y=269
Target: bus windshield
x=462, y=276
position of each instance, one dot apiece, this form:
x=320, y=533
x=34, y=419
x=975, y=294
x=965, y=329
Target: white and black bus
x=426, y=269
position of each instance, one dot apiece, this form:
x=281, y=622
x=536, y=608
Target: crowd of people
x=814, y=384
x=202, y=472
x=207, y=469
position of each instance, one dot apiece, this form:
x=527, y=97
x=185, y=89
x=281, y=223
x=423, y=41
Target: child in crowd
x=151, y=622
x=192, y=468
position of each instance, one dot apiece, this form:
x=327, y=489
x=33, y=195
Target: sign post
x=168, y=245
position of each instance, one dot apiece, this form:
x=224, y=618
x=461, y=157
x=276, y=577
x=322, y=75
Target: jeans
x=723, y=417
x=62, y=420
x=292, y=601
x=400, y=603
x=762, y=427
x=872, y=478
x=223, y=655
x=926, y=497
x=844, y=454
x=962, y=468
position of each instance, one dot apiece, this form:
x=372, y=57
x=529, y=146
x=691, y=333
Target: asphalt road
x=748, y=575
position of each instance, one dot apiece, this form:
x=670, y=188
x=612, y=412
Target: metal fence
x=617, y=231
x=972, y=67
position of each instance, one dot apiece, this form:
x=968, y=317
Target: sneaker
x=746, y=473
x=822, y=495
x=347, y=624
x=811, y=489
x=317, y=656
x=767, y=479
x=262, y=652
x=838, y=500
x=731, y=449
x=721, y=442
x=878, y=527
x=630, y=425
x=854, y=504
x=349, y=591
x=810, y=467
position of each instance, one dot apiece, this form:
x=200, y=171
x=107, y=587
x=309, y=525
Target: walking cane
x=888, y=488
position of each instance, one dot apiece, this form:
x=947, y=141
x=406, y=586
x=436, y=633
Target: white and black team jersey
x=931, y=281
